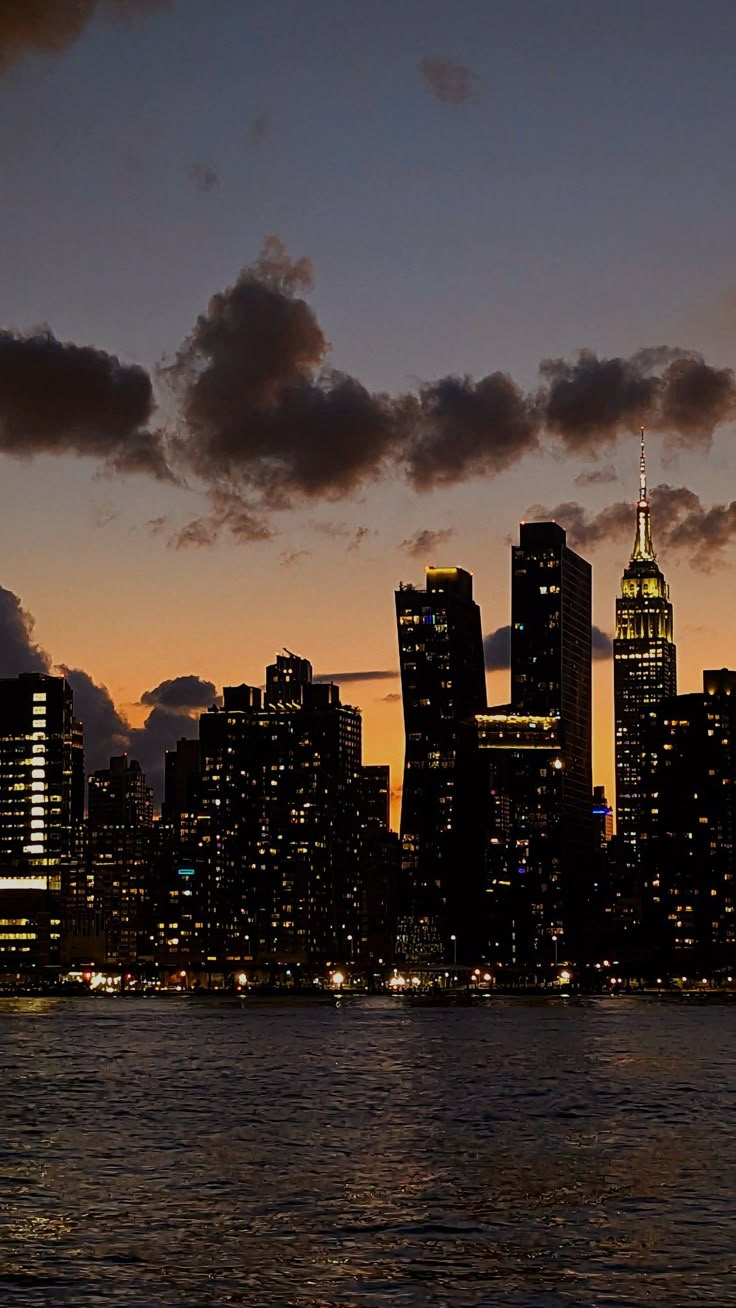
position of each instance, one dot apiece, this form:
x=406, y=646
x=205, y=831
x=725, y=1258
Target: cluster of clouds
x=682, y=522
x=174, y=705
x=265, y=423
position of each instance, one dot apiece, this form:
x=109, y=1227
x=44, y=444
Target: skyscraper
x=688, y=830
x=443, y=687
x=279, y=827
x=551, y=678
x=41, y=810
x=120, y=822
x=41, y=777
x=644, y=665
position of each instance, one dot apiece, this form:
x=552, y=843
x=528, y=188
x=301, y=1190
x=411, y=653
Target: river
x=534, y=1154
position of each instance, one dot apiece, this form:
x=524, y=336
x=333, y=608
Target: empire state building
x=645, y=663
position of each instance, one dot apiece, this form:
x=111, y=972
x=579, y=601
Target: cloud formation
x=497, y=649
x=463, y=429
x=262, y=423
x=588, y=402
x=50, y=26
x=680, y=522
x=179, y=693
x=19, y=651
x=424, y=541
x=58, y=398
x=175, y=703
x=450, y=82
x=262, y=410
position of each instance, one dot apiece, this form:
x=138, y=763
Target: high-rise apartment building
x=443, y=687
x=119, y=857
x=279, y=828
x=644, y=668
x=41, y=811
x=688, y=830
x=41, y=777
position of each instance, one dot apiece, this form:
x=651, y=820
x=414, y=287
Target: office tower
x=644, y=666
x=443, y=687
x=41, y=810
x=520, y=760
x=688, y=831
x=119, y=832
x=279, y=832
x=286, y=679
x=551, y=677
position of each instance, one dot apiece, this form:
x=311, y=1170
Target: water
x=529, y=1154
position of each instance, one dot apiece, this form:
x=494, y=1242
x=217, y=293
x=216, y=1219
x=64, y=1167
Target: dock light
x=337, y=979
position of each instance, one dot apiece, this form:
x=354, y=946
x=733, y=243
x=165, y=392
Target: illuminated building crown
x=643, y=550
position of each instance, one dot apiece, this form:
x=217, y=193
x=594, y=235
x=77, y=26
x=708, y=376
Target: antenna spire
x=643, y=546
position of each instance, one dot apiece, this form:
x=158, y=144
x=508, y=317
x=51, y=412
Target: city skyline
x=121, y=244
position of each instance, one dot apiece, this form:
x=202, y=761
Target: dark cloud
x=450, y=82
x=188, y=693
x=425, y=541
x=204, y=177
x=497, y=649
x=590, y=401
x=50, y=26
x=597, y=476
x=359, y=535
x=467, y=429
x=262, y=410
x=680, y=522
x=175, y=703
x=106, y=730
x=393, y=697
x=58, y=398
x=19, y=651
x=229, y=516
x=602, y=644
x=338, y=677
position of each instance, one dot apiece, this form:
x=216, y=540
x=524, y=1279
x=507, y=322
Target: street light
x=454, y=950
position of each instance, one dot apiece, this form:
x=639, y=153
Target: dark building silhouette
x=119, y=856
x=688, y=831
x=644, y=669
x=520, y=758
x=551, y=661
x=279, y=828
x=286, y=679
x=41, y=812
x=178, y=924
x=381, y=861
x=443, y=687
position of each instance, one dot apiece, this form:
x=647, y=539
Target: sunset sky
x=479, y=187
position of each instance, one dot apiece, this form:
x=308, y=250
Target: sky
x=478, y=187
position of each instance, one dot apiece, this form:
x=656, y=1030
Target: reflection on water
x=529, y=1155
